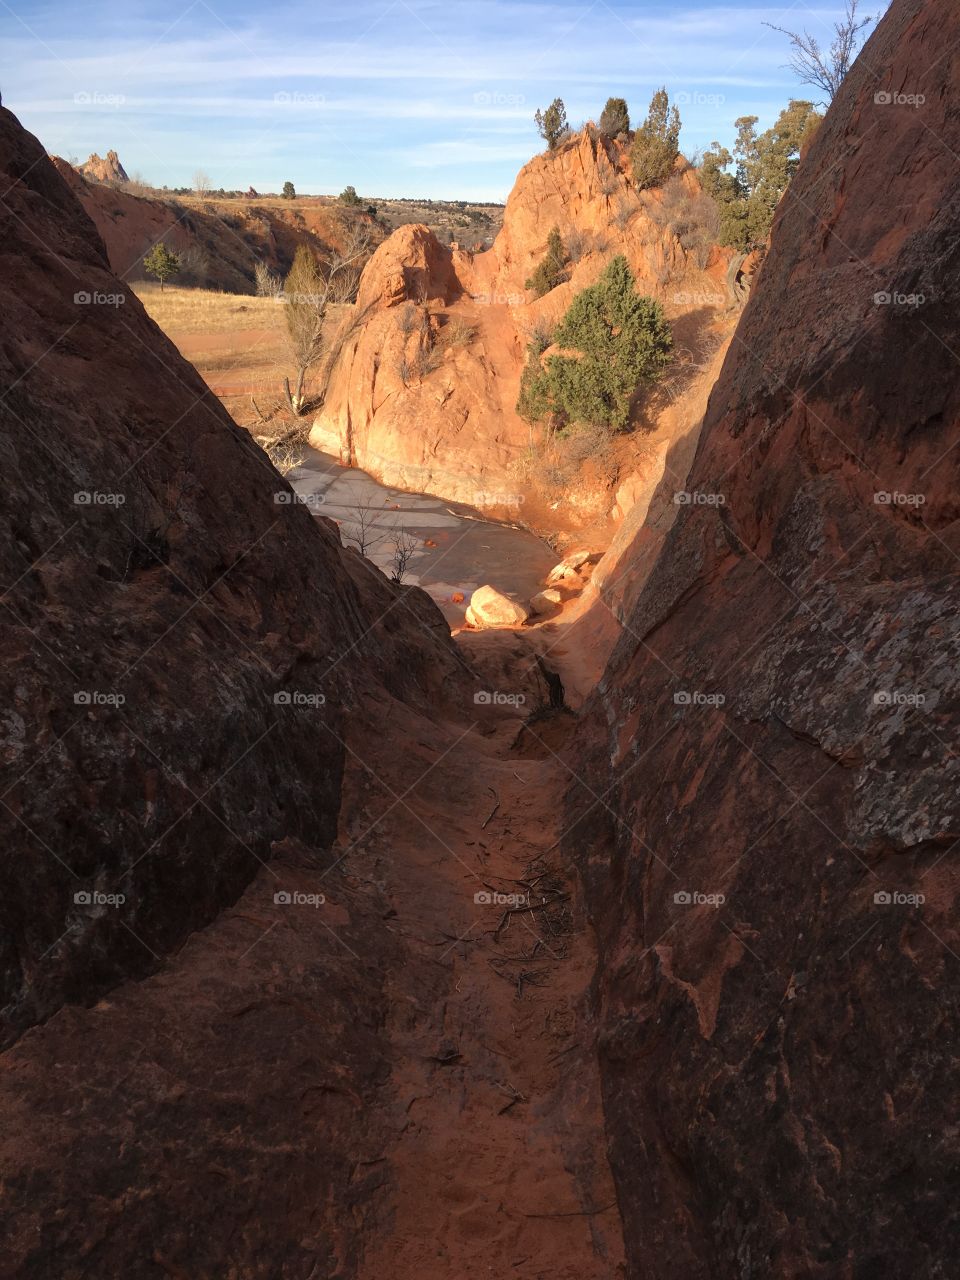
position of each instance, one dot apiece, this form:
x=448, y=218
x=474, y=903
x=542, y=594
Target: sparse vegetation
x=552, y=123
x=309, y=290
x=615, y=118
x=656, y=144
x=268, y=284
x=826, y=69
x=614, y=340
x=161, y=263
x=765, y=163
x=692, y=216
x=552, y=268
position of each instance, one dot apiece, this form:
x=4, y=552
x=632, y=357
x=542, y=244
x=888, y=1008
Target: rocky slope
x=769, y=814
x=183, y=644
x=220, y=241
x=423, y=387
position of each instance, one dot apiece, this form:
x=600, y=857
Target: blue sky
x=397, y=97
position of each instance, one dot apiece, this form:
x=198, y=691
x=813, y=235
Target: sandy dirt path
x=497, y=1167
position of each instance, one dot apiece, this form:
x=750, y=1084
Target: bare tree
x=364, y=531
x=201, y=182
x=403, y=549
x=309, y=290
x=821, y=67
x=268, y=284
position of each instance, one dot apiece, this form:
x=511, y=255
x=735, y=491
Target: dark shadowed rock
x=183, y=643
x=769, y=838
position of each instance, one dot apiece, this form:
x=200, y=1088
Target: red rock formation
x=426, y=399
x=171, y=625
x=103, y=169
x=769, y=826
x=223, y=241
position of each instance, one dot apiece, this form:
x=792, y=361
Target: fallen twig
x=493, y=810
x=574, y=1213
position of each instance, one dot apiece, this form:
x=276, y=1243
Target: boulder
x=546, y=601
x=490, y=608
x=564, y=574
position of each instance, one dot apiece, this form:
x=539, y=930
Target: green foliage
x=615, y=118
x=161, y=263
x=349, y=196
x=764, y=166
x=656, y=143
x=288, y=192
x=552, y=123
x=613, y=341
x=552, y=269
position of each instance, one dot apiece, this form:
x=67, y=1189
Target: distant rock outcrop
x=770, y=814
x=229, y=241
x=106, y=169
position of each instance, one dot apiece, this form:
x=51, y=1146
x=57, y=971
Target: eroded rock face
x=423, y=387
x=773, y=871
x=183, y=644
x=220, y=246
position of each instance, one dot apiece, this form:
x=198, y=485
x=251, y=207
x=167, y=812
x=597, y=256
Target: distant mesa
x=99, y=169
